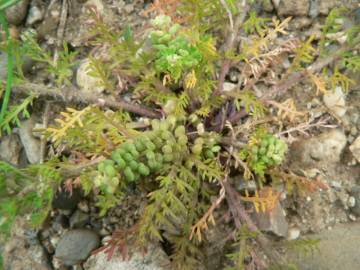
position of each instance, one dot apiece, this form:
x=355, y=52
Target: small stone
x=16, y=14
x=355, y=193
x=84, y=206
x=273, y=221
x=292, y=7
x=355, y=149
x=293, y=233
x=351, y=201
x=75, y=246
x=228, y=87
x=335, y=102
x=154, y=259
x=79, y=219
x=30, y=143
x=36, y=13
x=10, y=148
x=87, y=82
x=352, y=217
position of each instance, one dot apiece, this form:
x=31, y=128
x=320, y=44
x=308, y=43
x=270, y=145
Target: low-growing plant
x=201, y=136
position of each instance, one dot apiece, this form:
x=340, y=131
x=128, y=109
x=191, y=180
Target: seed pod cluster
x=149, y=152
x=107, y=179
x=270, y=151
x=205, y=146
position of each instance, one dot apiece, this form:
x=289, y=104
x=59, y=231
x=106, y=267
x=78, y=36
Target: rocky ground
x=330, y=154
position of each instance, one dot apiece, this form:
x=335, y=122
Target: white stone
x=355, y=149
x=293, y=233
x=228, y=87
x=87, y=82
x=335, y=102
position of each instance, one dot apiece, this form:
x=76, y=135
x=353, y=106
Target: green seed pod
x=264, y=143
x=164, y=125
x=165, y=135
x=262, y=150
x=155, y=124
x=127, y=146
x=128, y=157
x=120, y=162
x=272, y=140
x=101, y=167
x=265, y=159
x=171, y=119
x=168, y=157
x=150, y=155
x=180, y=131
x=129, y=175
x=199, y=141
x=143, y=169
x=196, y=149
x=254, y=150
x=133, y=165
x=121, y=151
x=159, y=158
x=177, y=148
x=134, y=153
x=152, y=164
x=183, y=140
x=139, y=146
x=189, y=164
x=151, y=146
x=166, y=149
x=158, y=142
x=209, y=154
x=216, y=148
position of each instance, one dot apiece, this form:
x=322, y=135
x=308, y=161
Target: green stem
x=10, y=65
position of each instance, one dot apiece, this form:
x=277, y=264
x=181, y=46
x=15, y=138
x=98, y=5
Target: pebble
x=335, y=102
x=75, y=246
x=29, y=142
x=351, y=201
x=293, y=233
x=16, y=14
x=355, y=149
x=36, y=13
x=10, y=148
x=87, y=82
x=79, y=219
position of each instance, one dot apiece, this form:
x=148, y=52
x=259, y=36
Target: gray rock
x=75, y=246
x=292, y=7
x=325, y=6
x=30, y=143
x=3, y=66
x=355, y=149
x=79, y=219
x=17, y=13
x=273, y=221
x=21, y=254
x=326, y=147
x=154, y=259
x=355, y=205
x=36, y=12
x=10, y=149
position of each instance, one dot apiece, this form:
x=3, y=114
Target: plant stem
x=10, y=65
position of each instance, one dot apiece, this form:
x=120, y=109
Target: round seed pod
x=171, y=119
x=158, y=142
x=133, y=165
x=152, y=164
x=189, y=164
x=139, y=146
x=110, y=170
x=159, y=158
x=164, y=125
x=129, y=175
x=262, y=150
x=180, y=131
x=209, y=154
x=199, y=141
x=120, y=162
x=101, y=167
x=151, y=146
x=143, y=169
x=168, y=157
x=196, y=149
x=134, y=153
x=150, y=155
x=155, y=124
x=165, y=135
x=215, y=148
x=166, y=149
x=182, y=139
x=254, y=149
x=126, y=146
x=128, y=157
